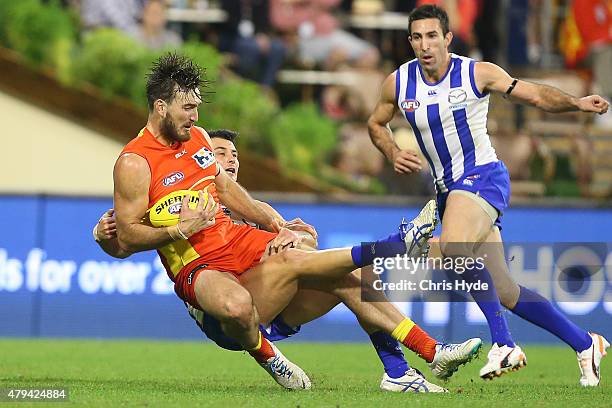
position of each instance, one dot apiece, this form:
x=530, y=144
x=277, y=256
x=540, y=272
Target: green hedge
x=45, y=34
x=111, y=61
x=302, y=138
x=240, y=105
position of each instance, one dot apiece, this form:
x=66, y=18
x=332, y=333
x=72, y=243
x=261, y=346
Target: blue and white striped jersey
x=449, y=118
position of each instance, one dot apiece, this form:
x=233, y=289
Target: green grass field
x=185, y=374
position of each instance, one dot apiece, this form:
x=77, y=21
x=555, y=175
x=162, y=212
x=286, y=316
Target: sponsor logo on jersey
x=184, y=151
x=432, y=92
x=457, y=96
x=410, y=105
x=173, y=178
x=204, y=157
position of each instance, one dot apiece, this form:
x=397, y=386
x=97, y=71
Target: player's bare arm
x=132, y=178
x=267, y=208
x=404, y=161
x=239, y=201
x=287, y=237
x=105, y=235
x=490, y=77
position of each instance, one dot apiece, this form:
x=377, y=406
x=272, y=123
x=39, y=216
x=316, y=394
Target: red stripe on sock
x=264, y=353
x=421, y=343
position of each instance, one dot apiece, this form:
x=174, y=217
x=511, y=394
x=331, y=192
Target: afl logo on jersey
x=410, y=105
x=173, y=178
x=175, y=208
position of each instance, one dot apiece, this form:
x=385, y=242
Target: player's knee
x=290, y=257
x=238, y=309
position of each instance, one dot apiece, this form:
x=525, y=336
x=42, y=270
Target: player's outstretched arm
x=490, y=77
x=404, y=161
x=236, y=198
x=132, y=178
x=306, y=232
x=271, y=211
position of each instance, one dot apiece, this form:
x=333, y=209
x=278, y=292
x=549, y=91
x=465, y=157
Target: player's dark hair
x=223, y=134
x=170, y=74
x=429, y=11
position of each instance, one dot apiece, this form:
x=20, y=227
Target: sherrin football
x=166, y=211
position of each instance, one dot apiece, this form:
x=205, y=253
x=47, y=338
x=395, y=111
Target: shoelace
x=279, y=367
x=449, y=347
x=418, y=237
x=495, y=352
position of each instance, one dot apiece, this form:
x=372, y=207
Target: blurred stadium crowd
x=337, y=52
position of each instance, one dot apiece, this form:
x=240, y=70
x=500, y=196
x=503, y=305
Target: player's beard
x=169, y=130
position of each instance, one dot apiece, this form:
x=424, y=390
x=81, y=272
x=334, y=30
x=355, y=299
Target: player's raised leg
x=293, y=265
x=220, y=295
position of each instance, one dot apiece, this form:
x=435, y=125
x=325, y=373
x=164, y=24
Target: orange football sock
x=417, y=340
x=263, y=351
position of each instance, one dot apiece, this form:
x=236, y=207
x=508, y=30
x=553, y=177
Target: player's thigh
x=316, y=297
x=464, y=220
x=221, y=295
x=308, y=243
x=271, y=286
x=308, y=305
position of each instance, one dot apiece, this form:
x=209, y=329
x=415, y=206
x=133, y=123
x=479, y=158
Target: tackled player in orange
x=226, y=269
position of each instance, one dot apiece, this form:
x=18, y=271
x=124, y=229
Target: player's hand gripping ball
x=166, y=211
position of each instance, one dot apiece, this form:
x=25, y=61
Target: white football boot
x=417, y=232
x=411, y=381
x=449, y=357
x=502, y=360
x=589, y=361
x=286, y=373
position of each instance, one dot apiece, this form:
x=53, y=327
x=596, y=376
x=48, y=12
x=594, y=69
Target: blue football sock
x=488, y=302
x=385, y=247
x=539, y=311
x=390, y=353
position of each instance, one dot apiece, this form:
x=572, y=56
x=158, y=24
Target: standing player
x=307, y=305
x=445, y=99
